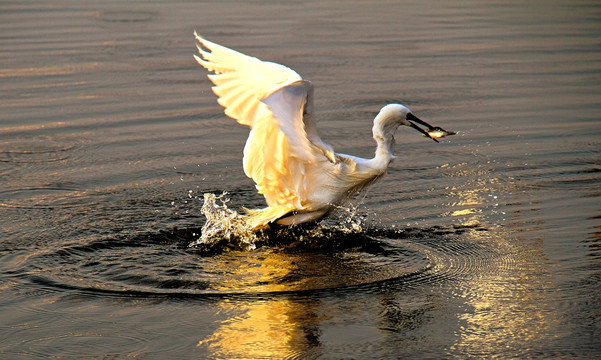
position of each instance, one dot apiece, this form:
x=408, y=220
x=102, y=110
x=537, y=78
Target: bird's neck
x=385, y=146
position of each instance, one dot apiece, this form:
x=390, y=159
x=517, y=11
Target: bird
x=300, y=176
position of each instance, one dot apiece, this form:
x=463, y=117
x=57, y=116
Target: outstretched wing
x=241, y=81
x=277, y=105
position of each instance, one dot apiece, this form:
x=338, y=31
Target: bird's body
x=300, y=176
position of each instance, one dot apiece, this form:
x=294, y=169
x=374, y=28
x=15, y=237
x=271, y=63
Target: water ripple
x=294, y=261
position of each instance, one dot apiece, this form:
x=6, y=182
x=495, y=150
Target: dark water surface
x=485, y=245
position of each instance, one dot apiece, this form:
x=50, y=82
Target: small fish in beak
x=438, y=132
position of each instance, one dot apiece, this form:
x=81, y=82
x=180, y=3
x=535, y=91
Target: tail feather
x=260, y=218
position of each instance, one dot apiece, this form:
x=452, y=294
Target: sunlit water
x=485, y=245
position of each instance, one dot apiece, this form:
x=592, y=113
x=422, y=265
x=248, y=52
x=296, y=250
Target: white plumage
x=299, y=175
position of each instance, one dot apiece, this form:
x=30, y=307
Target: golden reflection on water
x=508, y=305
x=263, y=328
x=469, y=198
x=256, y=273
x=264, y=272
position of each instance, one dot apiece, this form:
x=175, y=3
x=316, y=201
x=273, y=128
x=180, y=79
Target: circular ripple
x=42, y=198
x=91, y=343
x=36, y=150
x=161, y=264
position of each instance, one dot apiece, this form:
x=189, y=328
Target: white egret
x=300, y=176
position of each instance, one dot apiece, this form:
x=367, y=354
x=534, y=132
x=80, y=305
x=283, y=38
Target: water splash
x=345, y=219
x=226, y=228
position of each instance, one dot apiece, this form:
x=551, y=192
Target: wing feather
x=276, y=104
x=254, y=79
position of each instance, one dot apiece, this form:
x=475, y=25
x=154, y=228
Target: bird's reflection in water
x=265, y=324
x=274, y=328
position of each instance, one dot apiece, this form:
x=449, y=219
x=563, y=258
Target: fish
x=438, y=132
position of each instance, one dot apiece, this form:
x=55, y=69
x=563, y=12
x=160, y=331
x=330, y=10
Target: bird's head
x=393, y=115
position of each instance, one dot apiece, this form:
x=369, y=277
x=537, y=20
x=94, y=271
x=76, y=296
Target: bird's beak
x=412, y=119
